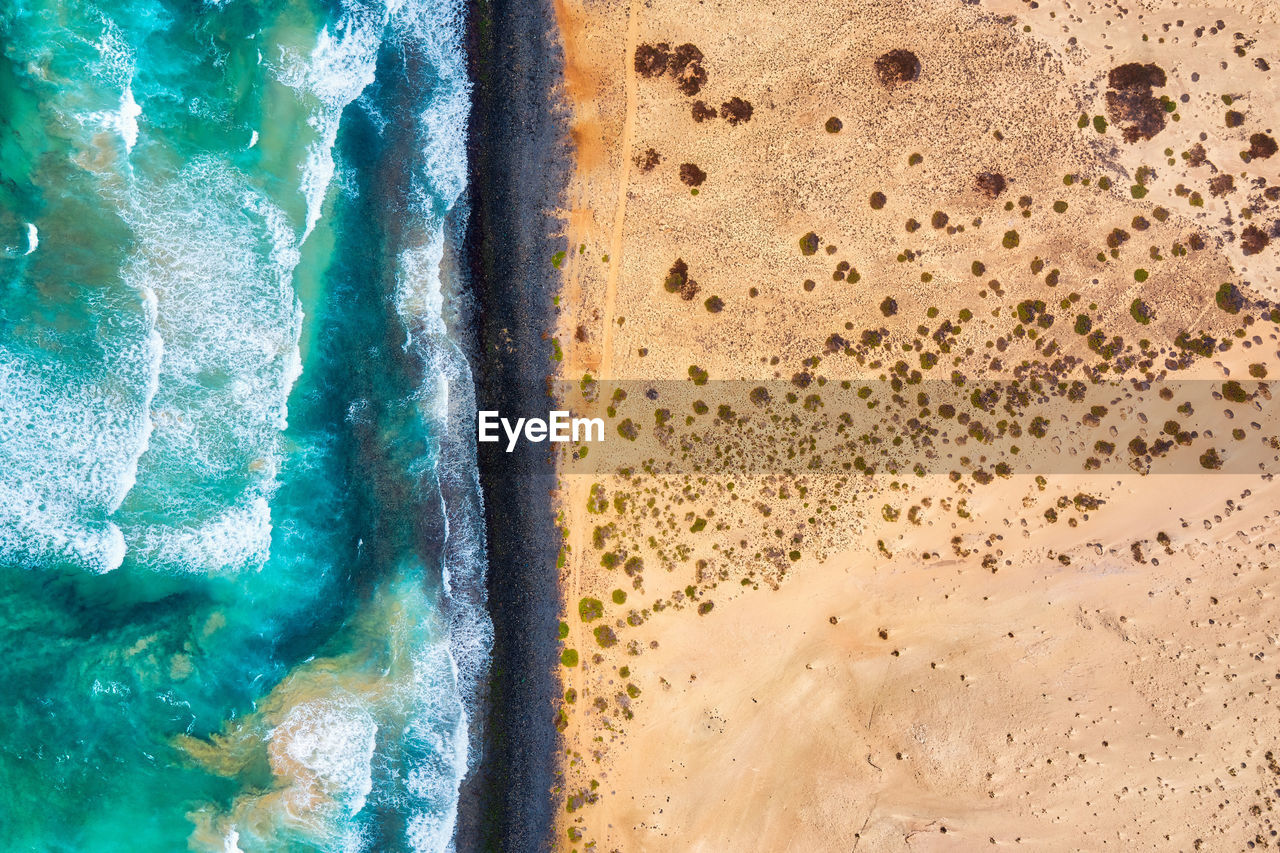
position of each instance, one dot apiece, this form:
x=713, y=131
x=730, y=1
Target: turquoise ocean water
x=241, y=555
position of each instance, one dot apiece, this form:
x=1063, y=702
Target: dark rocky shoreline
x=520, y=163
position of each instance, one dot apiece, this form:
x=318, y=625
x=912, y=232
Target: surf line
x=557, y=426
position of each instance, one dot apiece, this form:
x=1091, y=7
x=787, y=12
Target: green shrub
x=1229, y=298
x=1141, y=312
x=590, y=609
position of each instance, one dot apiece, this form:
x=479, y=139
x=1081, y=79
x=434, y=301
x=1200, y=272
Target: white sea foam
x=116, y=68
x=238, y=536
x=336, y=71
x=71, y=434
x=219, y=258
x=446, y=401
x=438, y=727
x=116, y=55
x=155, y=351
x=74, y=417
x=127, y=119
x=435, y=27
x=332, y=741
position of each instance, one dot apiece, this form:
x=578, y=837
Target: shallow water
x=241, y=565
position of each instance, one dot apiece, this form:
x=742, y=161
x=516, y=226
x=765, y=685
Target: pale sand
x=1112, y=718
x=1133, y=707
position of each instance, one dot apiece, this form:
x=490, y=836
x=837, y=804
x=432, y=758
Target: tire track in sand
x=620, y=210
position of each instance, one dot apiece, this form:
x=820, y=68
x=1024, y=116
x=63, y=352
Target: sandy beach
x=909, y=643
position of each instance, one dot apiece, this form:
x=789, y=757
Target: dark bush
x=1253, y=240
x=691, y=175
x=990, y=184
x=1130, y=102
x=896, y=67
x=651, y=59
x=647, y=161
x=702, y=112
x=1261, y=146
x=736, y=110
